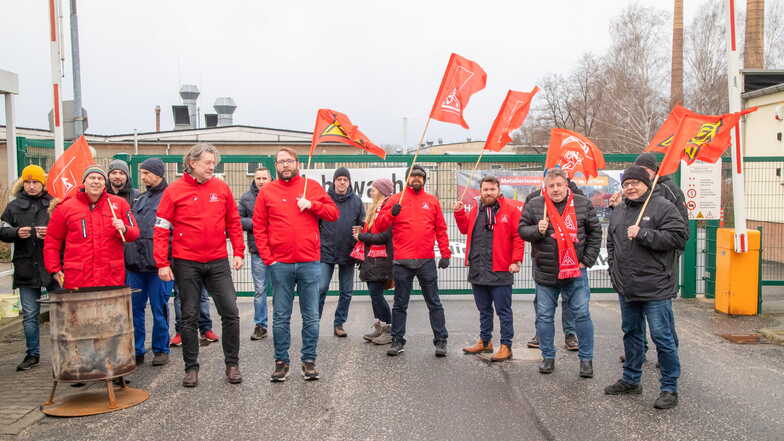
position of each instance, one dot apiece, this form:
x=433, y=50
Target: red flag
x=703, y=137
x=462, y=79
x=513, y=112
x=574, y=153
x=666, y=133
x=65, y=175
x=332, y=126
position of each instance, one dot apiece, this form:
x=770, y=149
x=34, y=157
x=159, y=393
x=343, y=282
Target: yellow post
x=737, y=274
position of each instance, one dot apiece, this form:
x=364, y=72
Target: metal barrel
x=92, y=333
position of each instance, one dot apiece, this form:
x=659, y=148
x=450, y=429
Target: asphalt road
x=728, y=392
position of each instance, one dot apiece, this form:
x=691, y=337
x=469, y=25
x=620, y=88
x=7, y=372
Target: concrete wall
x=761, y=128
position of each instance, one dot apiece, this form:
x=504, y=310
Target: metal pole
x=135, y=142
x=57, y=75
x=734, y=91
x=77, y=75
x=10, y=134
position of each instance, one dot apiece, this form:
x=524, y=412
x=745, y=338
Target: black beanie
x=154, y=166
x=342, y=171
x=647, y=160
x=638, y=173
x=418, y=170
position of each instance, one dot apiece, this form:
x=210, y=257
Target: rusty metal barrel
x=92, y=333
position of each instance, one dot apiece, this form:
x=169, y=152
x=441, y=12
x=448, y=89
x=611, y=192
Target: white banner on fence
x=361, y=178
x=701, y=184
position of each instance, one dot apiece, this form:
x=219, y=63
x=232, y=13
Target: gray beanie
x=94, y=168
x=342, y=171
x=154, y=166
x=119, y=164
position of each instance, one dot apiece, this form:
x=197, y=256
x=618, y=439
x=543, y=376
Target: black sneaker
x=533, y=342
x=309, y=372
x=666, y=400
x=441, y=349
x=258, y=333
x=139, y=360
x=623, y=388
x=547, y=366
x=281, y=372
x=28, y=362
x=396, y=349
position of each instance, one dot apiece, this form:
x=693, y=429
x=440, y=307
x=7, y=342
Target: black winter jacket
x=667, y=188
x=544, y=249
x=245, y=206
x=643, y=269
x=376, y=269
x=139, y=253
x=127, y=192
x=25, y=211
x=336, y=238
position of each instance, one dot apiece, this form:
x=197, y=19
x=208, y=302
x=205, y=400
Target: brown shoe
x=233, y=374
x=339, y=332
x=191, y=378
x=571, y=343
x=479, y=348
x=504, y=353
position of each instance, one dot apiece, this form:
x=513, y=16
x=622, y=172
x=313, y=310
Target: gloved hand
x=396, y=209
x=443, y=262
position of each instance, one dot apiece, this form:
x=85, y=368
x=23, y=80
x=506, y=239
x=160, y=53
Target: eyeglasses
x=286, y=161
x=631, y=183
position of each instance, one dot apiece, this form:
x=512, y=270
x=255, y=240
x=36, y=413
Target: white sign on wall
x=361, y=178
x=701, y=185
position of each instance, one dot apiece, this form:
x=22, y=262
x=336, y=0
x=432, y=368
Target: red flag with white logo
x=574, y=153
x=332, y=126
x=65, y=175
x=462, y=79
x=513, y=112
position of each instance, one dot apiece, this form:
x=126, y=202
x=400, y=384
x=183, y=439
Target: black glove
x=396, y=209
x=443, y=262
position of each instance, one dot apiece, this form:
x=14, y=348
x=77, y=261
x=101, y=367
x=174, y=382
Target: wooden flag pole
x=114, y=216
x=411, y=167
x=472, y=173
x=642, y=211
x=305, y=188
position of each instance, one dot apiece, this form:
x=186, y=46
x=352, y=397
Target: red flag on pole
x=703, y=137
x=513, y=112
x=332, y=126
x=666, y=133
x=65, y=175
x=574, y=153
x=462, y=79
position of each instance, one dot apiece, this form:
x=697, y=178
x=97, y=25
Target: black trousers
x=216, y=277
x=404, y=284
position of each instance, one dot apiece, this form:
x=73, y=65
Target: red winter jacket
x=284, y=233
x=200, y=217
x=418, y=226
x=508, y=247
x=91, y=248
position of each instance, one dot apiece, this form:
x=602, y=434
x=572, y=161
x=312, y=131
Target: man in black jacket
x=120, y=181
x=257, y=268
x=142, y=274
x=565, y=235
x=24, y=224
x=337, y=241
x=642, y=270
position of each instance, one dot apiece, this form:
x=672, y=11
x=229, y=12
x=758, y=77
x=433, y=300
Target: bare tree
x=706, y=60
x=774, y=34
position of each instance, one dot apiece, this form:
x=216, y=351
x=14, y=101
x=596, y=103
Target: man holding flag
x=566, y=236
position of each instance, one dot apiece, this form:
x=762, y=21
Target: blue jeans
x=577, y=294
x=567, y=321
x=260, y=284
x=205, y=321
x=501, y=296
x=660, y=321
x=381, y=311
x=28, y=297
x=345, y=284
x=404, y=284
x=150, y=287
x=284, y=277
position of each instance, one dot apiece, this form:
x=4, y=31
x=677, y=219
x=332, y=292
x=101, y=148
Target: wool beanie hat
x=33, y=173
x=94, y=168
x=342, y=171
x=119, y=164
x=647, y=160
x=384, y=186
x=418, y=170
x=638, y=173
x=154, y=166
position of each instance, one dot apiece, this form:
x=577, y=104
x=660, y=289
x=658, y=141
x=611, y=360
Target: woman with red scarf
x=375, y=253
x=565, y=235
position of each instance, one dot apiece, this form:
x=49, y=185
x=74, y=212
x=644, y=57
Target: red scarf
x=565, y=234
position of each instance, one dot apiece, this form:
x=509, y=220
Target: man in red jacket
x=286, y=228
x=88, y=234
x=417, y=223
x=494, y=251
x=197, y=212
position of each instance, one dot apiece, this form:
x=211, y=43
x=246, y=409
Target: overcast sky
x=375, y=61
